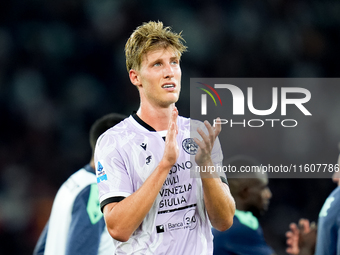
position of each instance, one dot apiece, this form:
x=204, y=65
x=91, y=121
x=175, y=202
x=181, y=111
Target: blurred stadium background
x=62, y=66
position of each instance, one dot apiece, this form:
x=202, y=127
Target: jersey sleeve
x=217, y=158
x=328, y=240
x=113, y=179
x=87, y=223
x=338, y=242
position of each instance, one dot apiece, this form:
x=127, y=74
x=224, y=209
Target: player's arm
x=218, y=200
x=124, y=217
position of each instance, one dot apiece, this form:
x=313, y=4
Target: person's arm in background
x=301, y=239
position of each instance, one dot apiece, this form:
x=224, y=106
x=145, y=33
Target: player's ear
x=134, y=77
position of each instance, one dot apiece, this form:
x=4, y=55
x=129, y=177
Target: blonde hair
x=150, y=36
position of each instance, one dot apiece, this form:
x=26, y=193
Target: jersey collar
x=147, y=126
x=142, y=123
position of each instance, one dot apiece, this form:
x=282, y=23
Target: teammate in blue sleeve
x=252, y=195
x=306, y=239
x=76, y=224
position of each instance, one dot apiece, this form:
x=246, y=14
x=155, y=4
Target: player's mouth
x=169, y=86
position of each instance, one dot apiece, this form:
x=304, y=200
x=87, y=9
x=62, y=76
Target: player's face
x=159, y=77
x=259, y=195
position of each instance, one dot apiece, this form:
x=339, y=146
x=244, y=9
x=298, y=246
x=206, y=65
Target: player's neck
x=156, y=117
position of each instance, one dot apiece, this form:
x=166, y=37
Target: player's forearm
x=219, y=202
x=124, y=217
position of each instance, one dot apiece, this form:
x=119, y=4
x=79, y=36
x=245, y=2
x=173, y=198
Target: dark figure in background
x=252, y=195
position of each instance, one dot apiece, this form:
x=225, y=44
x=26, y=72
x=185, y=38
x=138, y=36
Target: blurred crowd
x=62, y=65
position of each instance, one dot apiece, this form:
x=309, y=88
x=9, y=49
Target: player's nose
x=168, y=71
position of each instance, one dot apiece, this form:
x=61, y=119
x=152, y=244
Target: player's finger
x=171, y=132
x=211, y=131
x=204, y=144
x=304, y=225
x=174, y=115
x=313, y=225
x=173, y=118
x=289, y=234
x=293, y=227
x=289, y=242
x=217, y=126
x=172, y=129
x=199, y=143
x=303, y=221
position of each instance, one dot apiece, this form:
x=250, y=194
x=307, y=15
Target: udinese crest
x=190, y=146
